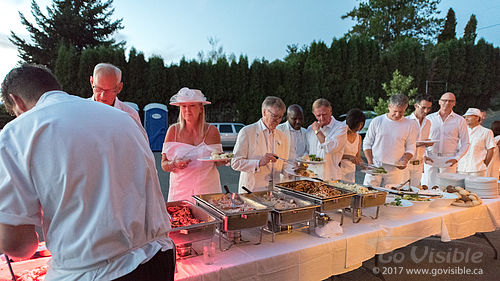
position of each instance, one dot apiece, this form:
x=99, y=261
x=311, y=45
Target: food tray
x=195, y=232
x=303, y=212
x=369, y=199
x=325, y=204
x=232, y=221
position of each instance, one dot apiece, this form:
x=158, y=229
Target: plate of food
x=216, y=157
x=373, y=170
x=465, y=197
x=311, y=159
x=301, y=171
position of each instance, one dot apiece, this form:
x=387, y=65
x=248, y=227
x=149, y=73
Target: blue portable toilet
x=156, y=124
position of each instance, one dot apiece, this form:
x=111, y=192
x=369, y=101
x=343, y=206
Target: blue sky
x=256, y=28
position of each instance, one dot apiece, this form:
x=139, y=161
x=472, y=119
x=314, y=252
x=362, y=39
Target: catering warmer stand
x=337, y=202
x=234, y=219
x=185, y=236
x=285, y=216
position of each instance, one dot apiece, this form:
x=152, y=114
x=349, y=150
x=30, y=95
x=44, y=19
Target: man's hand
x=451, y=162
x=315, y=126
x=428, y=160
x=268, y=157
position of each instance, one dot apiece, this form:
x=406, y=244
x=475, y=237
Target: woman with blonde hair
x=188, y=140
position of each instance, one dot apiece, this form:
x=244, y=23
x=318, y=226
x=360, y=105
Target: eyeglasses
x=450, y=101
x=101, y=90
x=274, y=116
x=424, y=107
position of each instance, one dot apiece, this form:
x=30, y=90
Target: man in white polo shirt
x=450, y=130
x=482, y=144
x=106, y=84
x=423, y=105
x=326, y=138
x=91, y=185
x=390, y=143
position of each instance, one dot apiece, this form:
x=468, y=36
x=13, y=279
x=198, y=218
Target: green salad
x=313, y=157
x=415, y=197
x=396, y=202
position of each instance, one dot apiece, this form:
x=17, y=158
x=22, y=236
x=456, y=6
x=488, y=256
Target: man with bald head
x=106, y=84
x=294, y=132
x=450, y=130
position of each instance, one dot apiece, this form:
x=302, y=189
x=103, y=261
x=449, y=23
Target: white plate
x=309, y=161
x=371, y=172
x=209, y=159
x=427, y=141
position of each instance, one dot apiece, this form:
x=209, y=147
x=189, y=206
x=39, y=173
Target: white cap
x=186, y=95
x=473, y=111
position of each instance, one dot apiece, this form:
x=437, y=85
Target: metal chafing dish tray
x=302, y=211
x=364, y=200
x=326, y=204
x=235, y=219
x=194, y=232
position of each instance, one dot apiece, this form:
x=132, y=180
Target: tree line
x=346, y=72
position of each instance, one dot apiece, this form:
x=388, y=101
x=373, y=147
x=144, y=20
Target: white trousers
x=414, y=173
x=393, y=177
x=429, y=177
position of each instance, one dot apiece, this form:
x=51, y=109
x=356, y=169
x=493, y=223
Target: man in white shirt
x=415, y=168
x=390, y=143
x=91, y=185
x=257, y=147
x=326, y=138
x=294, y=132
x=482, y=144
x=450, y=130
x=106, y=84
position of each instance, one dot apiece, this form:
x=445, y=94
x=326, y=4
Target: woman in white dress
x=188, y=140
x=355, y=121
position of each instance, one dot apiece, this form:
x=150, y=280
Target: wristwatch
x=316, y=132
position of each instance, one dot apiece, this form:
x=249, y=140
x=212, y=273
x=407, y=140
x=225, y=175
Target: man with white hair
x=257, y=147
x=475, y=162
x=390, y=143
x=450, y=130
x=106, y=84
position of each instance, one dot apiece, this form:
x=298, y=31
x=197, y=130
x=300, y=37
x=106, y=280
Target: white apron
x=199, y=177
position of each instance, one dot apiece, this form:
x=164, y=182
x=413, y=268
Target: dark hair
x=425, y=97
x=354, y=118
x=495, y=127
x=28, y=82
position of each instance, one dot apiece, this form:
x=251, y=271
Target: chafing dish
x=184, y=236
x=283, y=213
x=325, y=204
x=234, y=220
x=372, y=198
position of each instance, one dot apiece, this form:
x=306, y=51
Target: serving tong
x=235, y=198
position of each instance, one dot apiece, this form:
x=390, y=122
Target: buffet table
x=302, y=256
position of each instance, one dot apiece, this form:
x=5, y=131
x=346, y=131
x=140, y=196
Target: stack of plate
x=445, y=179
x=484, y=187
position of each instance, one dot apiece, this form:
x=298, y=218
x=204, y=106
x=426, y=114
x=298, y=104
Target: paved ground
x=444, y=261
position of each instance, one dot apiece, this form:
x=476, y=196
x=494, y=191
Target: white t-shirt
x=389, y=139
x=296, y=140
x=423, y=134
x=91, y=171
x=451, y=133
x=481, y=139
x=331, y=150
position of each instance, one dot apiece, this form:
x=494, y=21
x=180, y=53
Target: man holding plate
x=390, y=143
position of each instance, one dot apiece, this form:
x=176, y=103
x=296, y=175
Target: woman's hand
x=181, y=164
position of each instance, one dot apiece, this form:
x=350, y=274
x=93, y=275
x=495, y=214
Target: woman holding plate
x=188, y=145
x=355, y=121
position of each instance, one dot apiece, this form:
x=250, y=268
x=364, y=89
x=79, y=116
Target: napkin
x=330, y=229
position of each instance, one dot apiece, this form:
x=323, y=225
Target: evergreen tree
x=450, y=24
x=470, y=33
x=387, y=21
x=78, y=23
x=66, y=61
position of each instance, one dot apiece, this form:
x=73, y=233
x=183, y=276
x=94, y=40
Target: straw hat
x=186, y=95
x=473, y=111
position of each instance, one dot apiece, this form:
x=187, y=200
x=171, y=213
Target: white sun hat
x=188, y=95
x=473, y=111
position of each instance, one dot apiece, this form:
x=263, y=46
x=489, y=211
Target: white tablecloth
x=302, y=256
